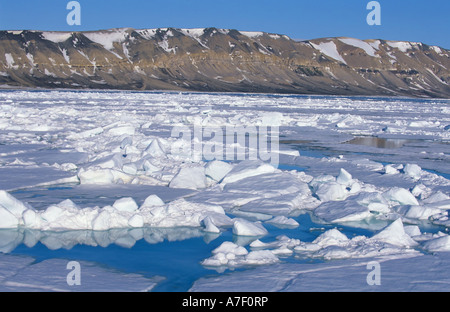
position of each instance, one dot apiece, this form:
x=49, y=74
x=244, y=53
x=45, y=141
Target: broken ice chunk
x=125, y=204
x=189, y=178
x=217, y=170
x=401, y=196
x=395, y=234
x=247, y=228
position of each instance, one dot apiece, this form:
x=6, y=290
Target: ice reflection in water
x=126, y=238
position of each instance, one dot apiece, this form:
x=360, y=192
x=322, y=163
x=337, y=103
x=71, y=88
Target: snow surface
x=24, y=274
x=83, y=168
x=427, y=273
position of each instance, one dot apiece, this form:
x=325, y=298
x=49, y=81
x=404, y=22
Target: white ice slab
x=24, y=275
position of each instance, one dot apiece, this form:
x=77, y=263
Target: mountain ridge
x=221, y=60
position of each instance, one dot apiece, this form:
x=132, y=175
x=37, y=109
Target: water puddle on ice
x=379, y=142
x=429, y=154
x=291, y=167
x=295, y=142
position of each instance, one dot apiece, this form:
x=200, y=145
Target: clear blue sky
x=412, y=20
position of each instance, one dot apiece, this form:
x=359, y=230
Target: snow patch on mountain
x=329, y=49
x=369, y=49
x=56, y=36
x=108, y=38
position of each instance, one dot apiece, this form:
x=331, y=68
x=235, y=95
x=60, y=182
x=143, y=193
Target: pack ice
x=103, y=139
x=123, y=213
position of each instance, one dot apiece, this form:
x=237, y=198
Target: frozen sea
x=350, y=194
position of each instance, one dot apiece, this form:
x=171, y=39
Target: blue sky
x=411, y=20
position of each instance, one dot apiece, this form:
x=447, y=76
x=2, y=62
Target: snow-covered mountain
x=212, y=59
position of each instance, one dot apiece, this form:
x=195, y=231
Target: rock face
x=214, y=59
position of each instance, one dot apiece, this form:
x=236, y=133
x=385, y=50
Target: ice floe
x=244, y=227
x=189, y=177
x=229, y=254
x=92, y=141
x=398, y=274
x=217, y=170
x=123, y=213
x=25, y=274
x=334, y=245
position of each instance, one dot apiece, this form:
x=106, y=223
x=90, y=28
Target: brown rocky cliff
x=221, y=60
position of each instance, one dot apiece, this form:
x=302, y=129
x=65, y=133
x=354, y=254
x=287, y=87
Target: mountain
x=212, y=59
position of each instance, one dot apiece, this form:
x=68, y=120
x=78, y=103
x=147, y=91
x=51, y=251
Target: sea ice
x=96, y=176
x=152, y=200
x=259, y=257
x=344, y=177
x=122, y=130
x=436, y=197
x=247, y=228
x=283, y=222
x=209, y=225
x=400, y=196
x=395, y=234
x=331, y=237
x=390, y=169
x=232, y=255
x=190, y=178
x=217, y=170
x=398, y=273
x=79, y=141
x=11, y=204
x=7, y=219
x=125, y=204
x=331, y=191
x=418, y=212
x=438, y=244
x=229, y=247
x=124, y=213
x=29, y=275
x=136, y=221
x=413, y=171
x=245, y=169
x=155, y=149
x=341, y=211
